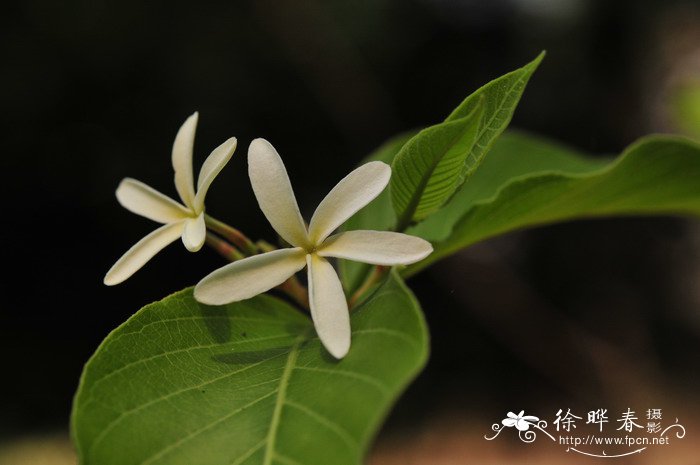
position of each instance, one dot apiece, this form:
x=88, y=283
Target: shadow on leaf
x=217, y=321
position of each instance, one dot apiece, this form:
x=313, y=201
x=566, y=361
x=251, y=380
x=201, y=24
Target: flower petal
x=194, y=234
x=509, y=422
x=353, y=192
x=212, y=166
x=329, y=309
x=143, y=200
x=182, y=160
x=376, y=247
x=274, y=192
x=142, y=251
x=249, y=277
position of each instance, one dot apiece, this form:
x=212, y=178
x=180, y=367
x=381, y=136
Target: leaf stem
x=224, y=249
x=373, y=278
x=232, y=235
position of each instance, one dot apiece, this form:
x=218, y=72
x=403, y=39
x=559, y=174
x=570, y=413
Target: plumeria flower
x=184, y=220
x=520, y=421
x=312, y=246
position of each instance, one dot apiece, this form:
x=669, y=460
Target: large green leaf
x=435, y=163
x=526, y=182
x=246, y=383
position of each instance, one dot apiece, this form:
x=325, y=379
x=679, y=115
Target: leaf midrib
x=412, y=205
x=487, y=126
x=280, y=400
x=481, y=132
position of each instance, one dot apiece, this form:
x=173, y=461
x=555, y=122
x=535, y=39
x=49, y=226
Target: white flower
x=310, y=247
x=185, y=221
x=520, y=421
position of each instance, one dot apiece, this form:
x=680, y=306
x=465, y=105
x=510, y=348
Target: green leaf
x=426, y=171
x=526, y=182
x=433, y=165
x=500, y=97
x=516, y=155
x=684, y=107
x=245, y=383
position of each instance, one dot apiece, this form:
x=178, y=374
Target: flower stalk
x=232, y=235
x=223, y=248
x=265, y=246
x=296, y=290
x=372, y=279
x=292, y=286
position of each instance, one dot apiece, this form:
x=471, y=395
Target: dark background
x=94, y=91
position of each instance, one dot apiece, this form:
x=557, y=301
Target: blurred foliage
x=686, y=106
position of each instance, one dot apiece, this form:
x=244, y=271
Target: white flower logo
x=520, y=421
x=185, y=221
x=246, y=278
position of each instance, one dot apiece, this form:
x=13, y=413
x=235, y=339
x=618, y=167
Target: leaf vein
x=199, y=431
x=112, y=424
x=248, y=453
x=351, y=374
x=185, y=349
x=339, y=431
